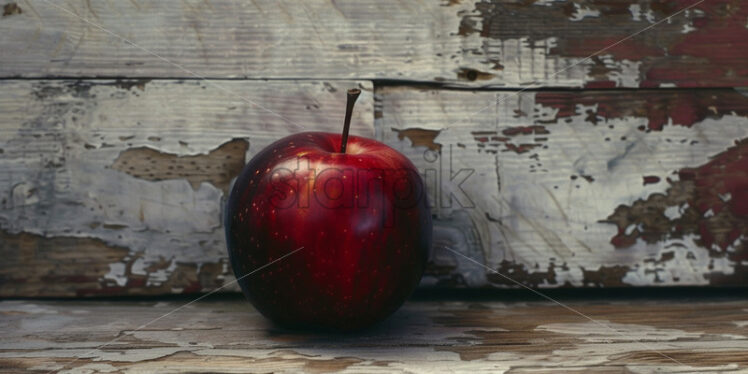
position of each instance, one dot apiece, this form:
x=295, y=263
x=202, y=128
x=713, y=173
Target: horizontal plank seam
x=383, y=83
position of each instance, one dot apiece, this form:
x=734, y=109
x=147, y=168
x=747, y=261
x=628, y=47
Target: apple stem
x=352, y=96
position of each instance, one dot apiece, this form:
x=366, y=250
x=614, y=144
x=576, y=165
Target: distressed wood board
x=510, y=337
x=117, y=187
x=590, y=188
x=508, y=43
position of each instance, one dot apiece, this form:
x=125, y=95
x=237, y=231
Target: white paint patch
x=547, y=2
x=735, y=245
x=138, y=267
x=637, y=13
x=624, y=72
x=635, y=10
x=160, y=276
x=697, y=260
x=741, y=323
x=674, y=212
x=131, y=355
x=117, y=273
x=606, y=331
x=581, y=12
x=650, y=17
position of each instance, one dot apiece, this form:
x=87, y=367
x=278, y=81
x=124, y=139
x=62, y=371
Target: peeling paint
x=590, y=152
x=217, y=167
x=527, y=276
x=650, y=179
x=492, y=142
x=637, y=13
x=605, y=276
x=718, y=223
x=420, y=137
x=10, y=9
x=694, y=209
x=580, y=29
x=89, y=160
x=127, y=84
x=35, y=266
x=678, y=109
x=423, y=336
x=463, y=43
x=582, y=12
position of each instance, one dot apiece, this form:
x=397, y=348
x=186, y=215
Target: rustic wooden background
x=629, y=168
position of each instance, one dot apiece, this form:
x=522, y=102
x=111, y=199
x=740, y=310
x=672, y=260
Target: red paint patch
x=69, y=278
x=740, y=204
x=136, y=282
x=714, y=199
x=521, y=148
x=723, y=182
x=658, y=107
x=193, y=287
x=525, y=130
x=629, y=50
x=622, y=240
x=600, y=84
x=491, y=142
x=651, y=179
x=712, y=55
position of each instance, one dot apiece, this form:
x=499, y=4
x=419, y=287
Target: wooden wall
x=123, y=123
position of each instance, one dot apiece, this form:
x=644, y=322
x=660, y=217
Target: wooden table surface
x=225, y=334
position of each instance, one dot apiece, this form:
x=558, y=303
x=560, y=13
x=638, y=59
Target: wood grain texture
x=117, y=187
x=508, y=337
x=508, y=43
x=591, y=188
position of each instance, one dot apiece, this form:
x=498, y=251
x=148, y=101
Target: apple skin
x=362, y=218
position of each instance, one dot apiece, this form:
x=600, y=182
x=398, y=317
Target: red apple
x=357, y=209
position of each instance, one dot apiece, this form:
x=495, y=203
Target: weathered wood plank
x=577, y=189
x=116, y=187
x=509, y=43
x=228, y=335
